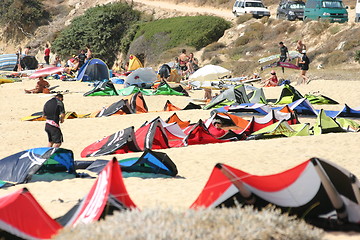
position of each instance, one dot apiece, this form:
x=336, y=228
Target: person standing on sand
x=82, y=58
x=304, y=66
x=284, y=54
x=18, y=60
x=300, y=46
x=183, y=62
x=54, y=112
x=88, y=53
x=27, y=50
x=47, y=54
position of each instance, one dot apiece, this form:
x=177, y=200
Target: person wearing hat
x=304, y=66
x=272, y=81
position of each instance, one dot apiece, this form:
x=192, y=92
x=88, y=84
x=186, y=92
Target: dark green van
x=332, y=10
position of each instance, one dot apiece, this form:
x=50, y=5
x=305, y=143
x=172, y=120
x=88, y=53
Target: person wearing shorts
x=304, y=67
x=54, y=112
x=183, y=60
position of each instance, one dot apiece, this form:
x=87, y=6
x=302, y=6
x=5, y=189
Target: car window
x=297, y=6
x=332, y=4
x=254, y=4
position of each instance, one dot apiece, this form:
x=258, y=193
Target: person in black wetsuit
x=284, y=53
x=304, y=66
x=164, y=72
x=82, y=58
x=54, y=112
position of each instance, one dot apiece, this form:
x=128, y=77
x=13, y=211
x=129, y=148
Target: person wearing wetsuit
x=54, y=112
x=284, y=53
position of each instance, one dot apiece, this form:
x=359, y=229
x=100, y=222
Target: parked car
x=254, y=7
x=357, y=11
x=332, y=10
x=291, y=10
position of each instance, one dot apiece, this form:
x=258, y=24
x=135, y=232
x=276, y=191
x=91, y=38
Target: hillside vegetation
x=154, y=39
x=101, y=28
x=158, y=41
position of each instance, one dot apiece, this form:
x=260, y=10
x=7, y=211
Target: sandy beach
x=194, y=163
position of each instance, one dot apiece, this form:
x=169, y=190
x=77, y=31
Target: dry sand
x=194, y=163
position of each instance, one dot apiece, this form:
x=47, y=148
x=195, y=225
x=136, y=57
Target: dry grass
x=334, y=58
x=243, y=18
x=210, y=224
x=212, y=50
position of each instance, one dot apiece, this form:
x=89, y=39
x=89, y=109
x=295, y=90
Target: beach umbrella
x=140, y=77
x=209, y=72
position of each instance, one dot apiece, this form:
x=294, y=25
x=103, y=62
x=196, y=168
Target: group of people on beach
x=302, y=62
x=71, y=66
x=184, y=64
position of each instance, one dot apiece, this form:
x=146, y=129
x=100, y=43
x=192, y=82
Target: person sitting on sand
x=271, y=81
x=73, y=65
x=42, y=86
x=164, y=72
x=207, y=95
x=57, y=62
x=216, y=128
x=40, y=66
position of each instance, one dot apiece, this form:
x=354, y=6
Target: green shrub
x=216, y=61
x=181, y=30
x=100, y=27
x=20, y=18
x=243, y=18
x=334, y=29
x=243, y=40
x=128, y=38
x=214, y=47
x=357, y=56
x=291, y=29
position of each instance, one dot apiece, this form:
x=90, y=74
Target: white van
x=357, y=11
x=254, y=7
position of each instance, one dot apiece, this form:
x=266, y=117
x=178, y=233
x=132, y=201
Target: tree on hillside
x=21, y=17
x=100, y=27
x=156, y=37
